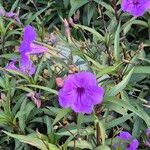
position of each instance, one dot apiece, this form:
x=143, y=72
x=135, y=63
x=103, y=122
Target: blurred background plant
x=92, y=35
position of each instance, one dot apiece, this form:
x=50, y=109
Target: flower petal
x=29, y=34
x=26, y=66
x=67, y=98
x=36, y=49
x=133, y=145
x=85, y=79
x=25, y=47
x=136, y=9
x=124, y=135
x=67, y=95
x=11, y=66
x=82, y=104
x=70, y=83
x=95, y=94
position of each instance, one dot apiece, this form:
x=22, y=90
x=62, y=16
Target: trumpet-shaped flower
x=27, y=47
x=135, y=7
x=80, y=92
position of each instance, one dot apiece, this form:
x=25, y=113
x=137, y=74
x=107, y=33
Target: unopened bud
x=59, y=82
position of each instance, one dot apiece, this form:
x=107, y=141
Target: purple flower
x=10, y=14
x=80, y=92
x=29, y=34
x=12, y=66
x=135, y=7
x=36, y=49
x=126, y=136
x=25, y=66
x=27, y=46
x=28, y=37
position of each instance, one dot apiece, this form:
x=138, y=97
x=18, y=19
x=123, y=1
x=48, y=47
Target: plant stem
x=97, y=134
x=114, y=4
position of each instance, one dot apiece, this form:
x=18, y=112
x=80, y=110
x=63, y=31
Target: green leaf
x=142, y=69
x=93, y=31
x=138, y=123
x=125, y=104
x=107, y=6
x=12, y=33
x=121, y=85
x=102, y=129
x=10, y=56
x=141, y=23
x=108, y=69
x=4, y=120
x=48, y=123
x=43, y=88
x=102, y=147
x=14, y=6
x=18, y=73
x=62, y=113
x=34, y=141
x=98, y=65
x=21, y=115
x=90, y=12
x=80, y=119
x=66, y=3
x=85, y=131
x=127, y=26
x=80, y=144
x=76, y=4
x=2, y=83
x=118, y=121
x=33, y=17
x=116, y=44
x=39, y=68
x=9, y=43
x=2, y=27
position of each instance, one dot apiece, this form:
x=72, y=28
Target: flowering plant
x=74, y=74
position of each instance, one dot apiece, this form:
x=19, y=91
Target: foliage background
x=104, y=40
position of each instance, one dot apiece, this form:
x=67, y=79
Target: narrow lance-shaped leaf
x=60, y=115
x=94, y=32
x=116, y=44
x=76, y=4
x=120, y=86
x=102, y=129
x=34, y=141
x=139, y=112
